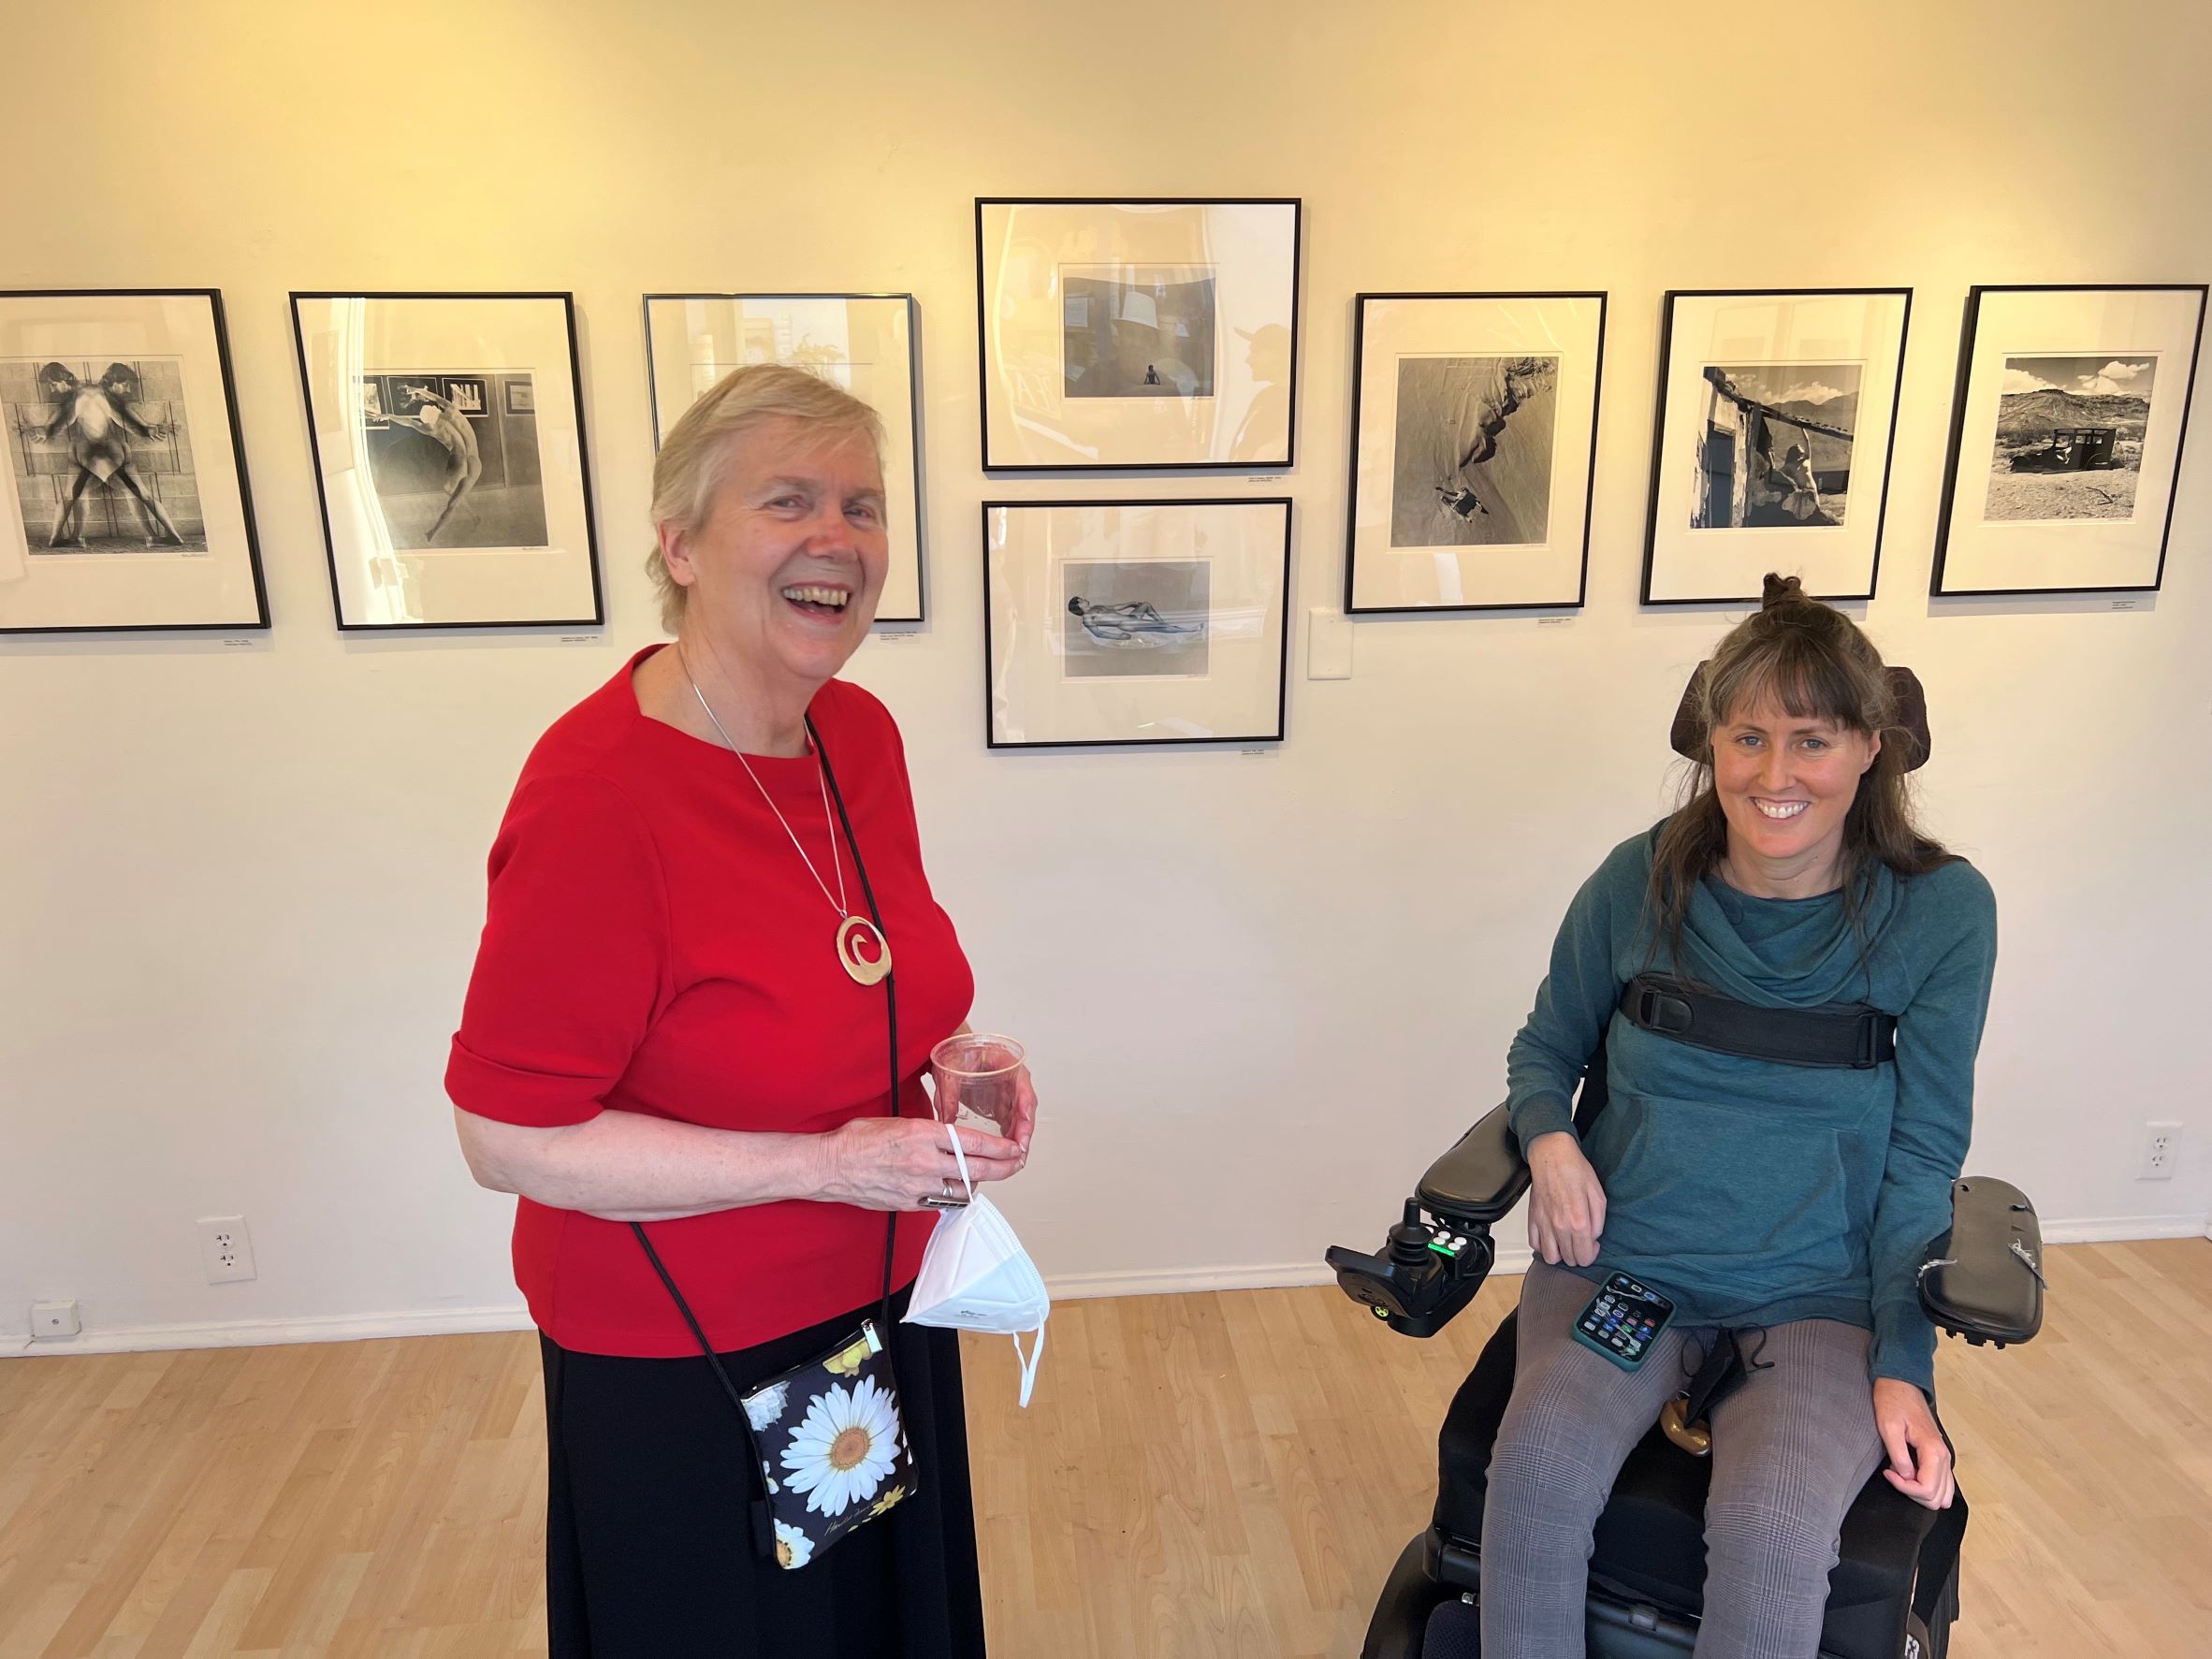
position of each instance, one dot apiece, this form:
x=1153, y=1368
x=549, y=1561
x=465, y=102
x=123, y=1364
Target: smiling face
x=785, y=573
x=1785, y=783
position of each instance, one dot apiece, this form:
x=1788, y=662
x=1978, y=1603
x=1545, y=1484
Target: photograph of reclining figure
x=1137, y=617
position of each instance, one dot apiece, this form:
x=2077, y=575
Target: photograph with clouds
x=1774, y=445
x=2070, y=437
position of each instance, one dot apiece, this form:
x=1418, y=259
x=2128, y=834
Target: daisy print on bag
x=764, y=1409
x=794, y=1548
x=845, y=1447
x=883, y=1505
x=849, y=1361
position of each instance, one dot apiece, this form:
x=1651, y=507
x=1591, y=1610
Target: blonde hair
x=696, y=455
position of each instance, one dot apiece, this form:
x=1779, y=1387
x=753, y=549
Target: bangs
x=1790, y=671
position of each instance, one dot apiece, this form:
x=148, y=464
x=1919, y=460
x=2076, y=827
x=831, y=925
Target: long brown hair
x=1813, y=659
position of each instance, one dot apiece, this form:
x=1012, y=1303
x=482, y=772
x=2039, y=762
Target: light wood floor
x=1225, y=1475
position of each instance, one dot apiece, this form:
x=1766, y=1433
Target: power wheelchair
x=1894, y=1592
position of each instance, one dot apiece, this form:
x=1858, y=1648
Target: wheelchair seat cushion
x=1649, y=1542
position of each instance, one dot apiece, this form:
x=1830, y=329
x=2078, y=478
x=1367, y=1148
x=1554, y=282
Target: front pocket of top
x=1728, y=1200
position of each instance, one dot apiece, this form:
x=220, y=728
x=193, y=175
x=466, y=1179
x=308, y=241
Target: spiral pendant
x=865, y=953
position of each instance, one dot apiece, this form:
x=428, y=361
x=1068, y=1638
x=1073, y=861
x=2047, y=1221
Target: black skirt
x=649, y=1542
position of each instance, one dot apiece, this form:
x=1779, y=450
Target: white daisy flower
x=764, y=1408
x=845, y=1447
x=794, y=1548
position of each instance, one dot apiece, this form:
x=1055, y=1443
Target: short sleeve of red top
x=654, y=943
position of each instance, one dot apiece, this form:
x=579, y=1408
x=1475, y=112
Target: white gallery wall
x=240, y=883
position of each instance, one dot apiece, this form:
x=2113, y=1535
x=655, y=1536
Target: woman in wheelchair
x=1785, y=1209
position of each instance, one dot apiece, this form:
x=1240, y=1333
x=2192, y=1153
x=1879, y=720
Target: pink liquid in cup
x=976, y=1076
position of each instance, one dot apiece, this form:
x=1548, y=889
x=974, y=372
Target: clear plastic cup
x=976, y=1076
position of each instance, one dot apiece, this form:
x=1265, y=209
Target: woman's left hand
x=1919, y=1460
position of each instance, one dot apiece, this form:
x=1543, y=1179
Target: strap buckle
x=1662, y=1011
x=1877, y=1040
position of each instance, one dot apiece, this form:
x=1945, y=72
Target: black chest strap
x=1842, y=1035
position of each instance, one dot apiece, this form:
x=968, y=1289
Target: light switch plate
x=1328, y=644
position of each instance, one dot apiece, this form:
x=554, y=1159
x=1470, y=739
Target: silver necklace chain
x=838, y=900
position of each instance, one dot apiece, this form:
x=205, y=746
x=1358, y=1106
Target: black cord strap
x=891, y=1220
x=890, y=1001
x=706, y=1348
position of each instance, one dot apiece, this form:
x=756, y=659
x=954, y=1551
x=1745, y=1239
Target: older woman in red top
x=680, y=1016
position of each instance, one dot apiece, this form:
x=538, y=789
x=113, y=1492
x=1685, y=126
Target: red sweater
x=654, y=944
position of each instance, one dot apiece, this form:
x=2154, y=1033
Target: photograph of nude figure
x=1149, y=617
x=101, y=453
x=452, y=456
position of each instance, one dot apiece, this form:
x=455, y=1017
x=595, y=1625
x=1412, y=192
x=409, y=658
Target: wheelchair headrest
x=1688, y=733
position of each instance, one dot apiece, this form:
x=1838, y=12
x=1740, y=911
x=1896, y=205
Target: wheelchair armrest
x=1986, y=1280
x=1481, y=1177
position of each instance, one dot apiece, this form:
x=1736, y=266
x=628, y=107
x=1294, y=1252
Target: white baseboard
x=2119, y=1229
x=248, y=1334
x=1165, y=1281
x=1182, y=1281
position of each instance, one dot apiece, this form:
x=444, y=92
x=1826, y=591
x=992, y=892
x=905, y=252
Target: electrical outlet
x=226, y=1248
x=53, y=1318
x=2159, y=1143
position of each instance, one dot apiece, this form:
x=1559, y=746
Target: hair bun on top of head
x=1687, y=735
x=1780, y=589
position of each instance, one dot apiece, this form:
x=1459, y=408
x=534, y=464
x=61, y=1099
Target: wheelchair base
x=1426, y=1612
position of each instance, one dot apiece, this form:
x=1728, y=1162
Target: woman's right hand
x=1566, y=1206
x=896, y=1163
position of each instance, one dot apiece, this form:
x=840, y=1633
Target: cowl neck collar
x=1797, y=953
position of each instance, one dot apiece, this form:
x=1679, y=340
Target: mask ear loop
x=1029, y=1362
x=960, y=1157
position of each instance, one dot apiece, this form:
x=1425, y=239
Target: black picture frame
x=1352, y=490
x=1278, y=731
x=1000, y=464
x=894, y=609
x=1962, y=396
x=258, y=619
x=583, y=503
x=1748, y=592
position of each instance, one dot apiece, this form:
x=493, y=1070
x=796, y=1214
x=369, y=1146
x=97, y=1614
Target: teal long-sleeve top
x=1749, y=1191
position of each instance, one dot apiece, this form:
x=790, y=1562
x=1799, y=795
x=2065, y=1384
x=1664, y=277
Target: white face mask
x=976, y=1277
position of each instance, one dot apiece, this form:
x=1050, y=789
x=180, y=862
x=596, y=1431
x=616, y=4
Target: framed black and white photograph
x=1140, y=621
x=124, y=503
x=1777, y=417
x=449, y=455
x=1474, y=433
x=2066, y=438
x=1143, y=333
x=869, y=344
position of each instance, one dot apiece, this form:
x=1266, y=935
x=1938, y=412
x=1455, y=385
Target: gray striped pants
x=1791, y=1449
